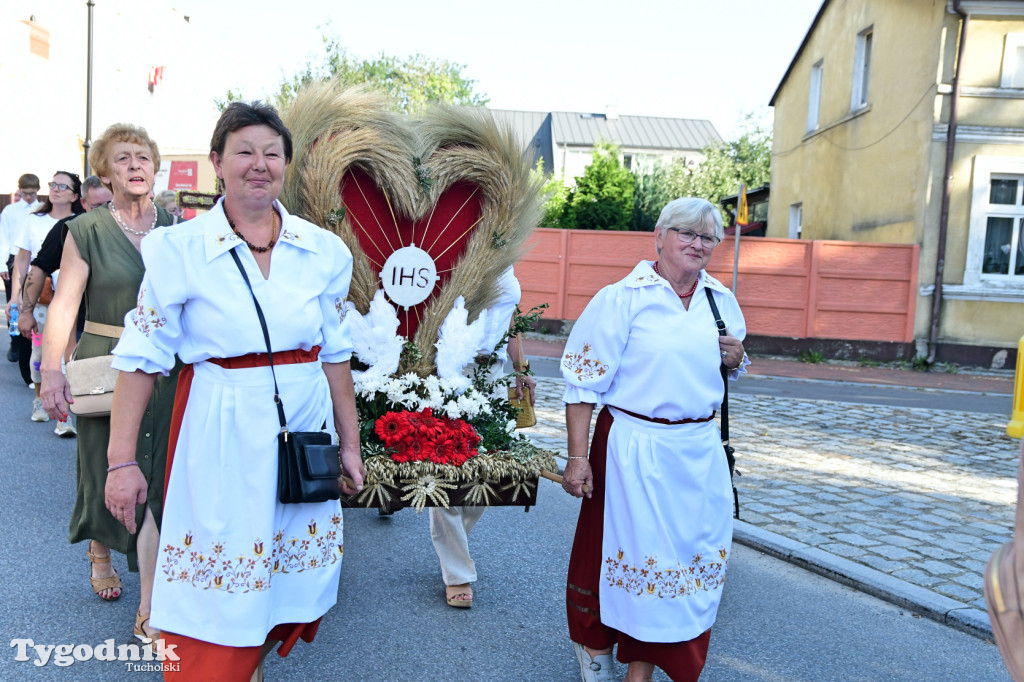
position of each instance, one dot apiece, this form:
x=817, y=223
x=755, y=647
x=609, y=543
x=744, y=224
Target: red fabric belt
x=286, y=357
x=659, y=420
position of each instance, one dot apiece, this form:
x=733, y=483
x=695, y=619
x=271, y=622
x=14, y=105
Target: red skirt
x=681, y=661
x=199, y=660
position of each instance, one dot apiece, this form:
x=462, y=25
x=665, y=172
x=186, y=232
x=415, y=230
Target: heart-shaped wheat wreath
x=454, y=183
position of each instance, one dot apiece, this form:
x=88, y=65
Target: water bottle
x=12, y=324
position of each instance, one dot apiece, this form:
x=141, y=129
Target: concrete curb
x=963, y=617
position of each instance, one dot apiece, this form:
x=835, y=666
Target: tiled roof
x=635, y=132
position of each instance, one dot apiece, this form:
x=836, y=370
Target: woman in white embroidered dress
x=238, y=571
x=654, y=532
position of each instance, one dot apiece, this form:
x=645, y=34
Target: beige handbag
x=92, y=385
x=1004, y=589
x=525, y=416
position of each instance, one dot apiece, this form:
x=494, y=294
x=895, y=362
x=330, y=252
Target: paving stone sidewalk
x=923, y=496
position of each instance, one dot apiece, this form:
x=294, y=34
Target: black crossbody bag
x=730, y=455
x=308, y=467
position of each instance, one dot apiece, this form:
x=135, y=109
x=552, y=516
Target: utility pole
x=88, y=93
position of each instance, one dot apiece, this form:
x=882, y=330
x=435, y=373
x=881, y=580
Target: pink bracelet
x=121, y=466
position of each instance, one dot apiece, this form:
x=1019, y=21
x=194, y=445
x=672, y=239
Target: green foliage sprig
x=422, y=175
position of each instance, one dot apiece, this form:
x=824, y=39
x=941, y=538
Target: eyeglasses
x=59, y=185
x=688, y=236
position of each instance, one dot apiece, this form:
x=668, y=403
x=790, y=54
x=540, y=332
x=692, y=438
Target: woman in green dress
x=101, y=265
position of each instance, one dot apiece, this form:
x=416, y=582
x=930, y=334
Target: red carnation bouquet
x=420, y=436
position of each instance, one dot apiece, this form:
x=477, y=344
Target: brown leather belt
x=99, y=329
x=659, y=420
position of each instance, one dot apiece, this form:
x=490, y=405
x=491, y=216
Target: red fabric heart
x=444, y=231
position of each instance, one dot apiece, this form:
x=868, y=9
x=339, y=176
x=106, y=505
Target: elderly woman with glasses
x=102, y=268
x=655, y=528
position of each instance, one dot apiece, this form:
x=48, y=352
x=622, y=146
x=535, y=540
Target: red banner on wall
x=184, y=175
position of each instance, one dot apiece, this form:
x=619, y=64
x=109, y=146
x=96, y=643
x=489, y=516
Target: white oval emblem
x=408, y=276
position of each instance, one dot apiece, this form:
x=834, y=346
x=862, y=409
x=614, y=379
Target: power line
x=824, y=136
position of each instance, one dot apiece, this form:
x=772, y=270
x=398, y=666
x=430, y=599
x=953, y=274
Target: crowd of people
x=184, y=469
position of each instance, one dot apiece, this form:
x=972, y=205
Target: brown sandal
x=148, y=640
x=101, y=584
x=456, y=595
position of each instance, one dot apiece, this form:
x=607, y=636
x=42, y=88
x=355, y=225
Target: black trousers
x=23, y=347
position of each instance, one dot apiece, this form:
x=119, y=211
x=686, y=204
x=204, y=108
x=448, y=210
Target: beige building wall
x=876, y=174
x=850, y=174
x=974, y=311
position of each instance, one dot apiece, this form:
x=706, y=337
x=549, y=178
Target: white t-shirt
x=10, y=225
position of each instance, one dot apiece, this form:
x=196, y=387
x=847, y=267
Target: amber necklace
x=257, y=249
x=689, y=293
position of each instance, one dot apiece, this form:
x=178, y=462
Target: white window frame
x=981, y=182
x=1011, y=76
x=796, y=220
x=814, y=95
x=862, y=69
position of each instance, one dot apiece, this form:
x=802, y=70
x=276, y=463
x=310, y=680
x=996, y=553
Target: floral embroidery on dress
x=290, y=236
x=146, y=318
x=583, y=366
x=230, y=237
x=252, y=569
x=339, y=305
x=652, y=580
x=647, y=279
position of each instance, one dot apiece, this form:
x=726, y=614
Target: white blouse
x=635, y=347
x=194, y=303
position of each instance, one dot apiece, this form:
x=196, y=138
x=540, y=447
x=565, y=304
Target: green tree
x=556, y=198
x=650, y=194
x=603, y=196
x=744, y=160
x=411, y=82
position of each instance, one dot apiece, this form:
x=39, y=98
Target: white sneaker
x=597, y=669
x=65, y=429
x=38, y=413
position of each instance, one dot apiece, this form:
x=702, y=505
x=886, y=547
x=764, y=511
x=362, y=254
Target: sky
x=708, y=59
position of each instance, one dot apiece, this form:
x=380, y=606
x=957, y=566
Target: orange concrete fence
x=787, y=287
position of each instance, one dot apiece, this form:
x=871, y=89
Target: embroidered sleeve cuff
x=340, y=356
x=742, y=369
x=575, y=394
x=133, y=364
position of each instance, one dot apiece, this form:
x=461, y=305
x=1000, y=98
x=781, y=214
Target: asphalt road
x=777, y=622
x=849, y=392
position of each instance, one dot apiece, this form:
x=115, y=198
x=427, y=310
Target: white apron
x=233, y=561
x=667, y=529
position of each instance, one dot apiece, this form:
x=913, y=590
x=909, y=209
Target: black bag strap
x=730, y=458
x=266, y=337
x=722, y=331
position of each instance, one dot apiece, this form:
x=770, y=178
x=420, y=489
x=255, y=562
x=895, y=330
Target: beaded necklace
x=689, y=293
x=257, y=249
x=123, y=226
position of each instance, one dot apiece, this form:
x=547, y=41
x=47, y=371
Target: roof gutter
x=940, y=252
